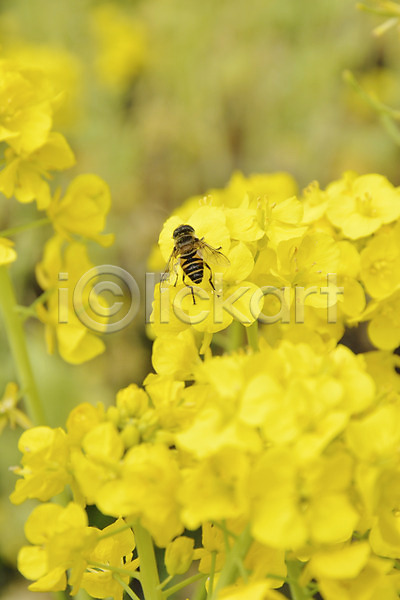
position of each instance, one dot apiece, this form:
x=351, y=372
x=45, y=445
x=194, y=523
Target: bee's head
x=183, y=230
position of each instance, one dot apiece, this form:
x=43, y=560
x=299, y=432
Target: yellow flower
x=234, y=296
x=7, y=252
x=131, y=402
x=380, y=263
x=281, y=219
x=385, y=531
x=179, y=555
x=382, y=366
x=256, y=590
x=353, y=298
x=262, y=561
x=213, y=545
x=62, y=71
x=114, y=550
x=314, y=201
x=175, y=355
x=141, y=483
x=290, y=506
x=58, y=273
x=360, y=205
x=350, y=572
x=96, y=462
x=44, y=464
x=340, y=562
x=9, y=413
x=25, y=175
x=246, y=205
x=374, y=440
x=62, y=541
x=82, y=419
x=26, y=116
x=241, y=190
x=217, y=488
x=83, y=209
x=384, y=325
x=150, y=478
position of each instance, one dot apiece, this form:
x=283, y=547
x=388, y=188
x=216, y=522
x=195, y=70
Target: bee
x=192, y=254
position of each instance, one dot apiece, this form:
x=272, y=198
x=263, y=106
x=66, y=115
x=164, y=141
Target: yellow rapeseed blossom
x=62, y=538
x=380, y=263
x=26, y=117
x=235, y=297
x=64, y=543
x=58, y=273
x=25, y=176
x=83, y=209
x=284, y=452
x=44, y=464
x=9, y=413
x=179, y=555
x=7, y=252
x=360, y=205
x=384, y=321
x=113, y=549
x=62, y=71
x=251, y=591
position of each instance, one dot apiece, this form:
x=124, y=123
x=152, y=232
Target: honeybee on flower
x=192, y=253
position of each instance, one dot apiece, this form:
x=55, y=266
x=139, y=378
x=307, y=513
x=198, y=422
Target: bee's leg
x=190, y=286
x=176, y=280
x=210, y=278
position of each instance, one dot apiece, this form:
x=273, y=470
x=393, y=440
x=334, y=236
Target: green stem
x=252, y=336
x=200, y=592
x=117, y=570
x=25, y=227
x=165, y=582
x=382, y=12
x=236, y=555
x=27, y=312
x=148, y=565
x=391, y=128
x=17, y=341
x=222, y=341
x=126, y=587
x=294, y=568
x=375, y=104
x=184, y=583
x=235, y=336
x=212, y=574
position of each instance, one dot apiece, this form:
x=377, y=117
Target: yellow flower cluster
x=284, y=454
x=304, y=267
x=301, y=447
x=32, y=152
x=63, y=540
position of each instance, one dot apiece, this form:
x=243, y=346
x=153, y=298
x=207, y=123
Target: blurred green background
x=164, y=100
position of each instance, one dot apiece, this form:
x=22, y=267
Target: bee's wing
x=212, y=255
x=170, y=268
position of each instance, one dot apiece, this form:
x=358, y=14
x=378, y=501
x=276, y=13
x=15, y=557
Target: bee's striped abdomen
x=193, y=266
